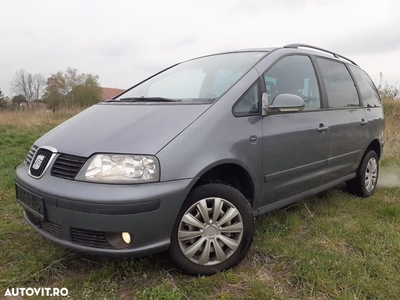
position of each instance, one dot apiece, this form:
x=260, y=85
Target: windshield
x=199, y=80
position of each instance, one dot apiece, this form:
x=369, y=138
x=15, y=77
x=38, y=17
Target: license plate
x=30, y=202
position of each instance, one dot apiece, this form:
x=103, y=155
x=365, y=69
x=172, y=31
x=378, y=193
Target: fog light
x=126, y=237
x=119, y=240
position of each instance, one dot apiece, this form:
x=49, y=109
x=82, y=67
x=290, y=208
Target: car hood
x=122, y=128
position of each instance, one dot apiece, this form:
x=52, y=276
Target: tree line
x=61, y=89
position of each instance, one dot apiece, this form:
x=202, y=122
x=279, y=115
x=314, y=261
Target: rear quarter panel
x=376, y=125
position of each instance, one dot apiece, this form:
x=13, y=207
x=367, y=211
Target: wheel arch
x=375, y=145
x=230, y=173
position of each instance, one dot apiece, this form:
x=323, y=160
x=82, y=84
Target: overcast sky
x=124, y=41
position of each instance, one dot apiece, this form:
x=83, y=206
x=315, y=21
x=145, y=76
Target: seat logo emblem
x=38, y=162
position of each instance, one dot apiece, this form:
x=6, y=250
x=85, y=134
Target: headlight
x=118, y=168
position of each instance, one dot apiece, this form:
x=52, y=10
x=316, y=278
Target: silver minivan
x=184, y=160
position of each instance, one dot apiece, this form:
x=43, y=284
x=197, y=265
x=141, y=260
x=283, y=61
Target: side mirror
x=282, y=103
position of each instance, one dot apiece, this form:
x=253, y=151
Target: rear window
x=339, y=84
x=369, y=94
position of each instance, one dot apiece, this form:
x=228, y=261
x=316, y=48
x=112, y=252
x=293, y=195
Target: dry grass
x=25, y=119
x=392, y=129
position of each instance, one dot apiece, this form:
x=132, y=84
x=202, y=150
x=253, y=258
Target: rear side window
x=369, y=94
x=293, y=75
x=339, y=84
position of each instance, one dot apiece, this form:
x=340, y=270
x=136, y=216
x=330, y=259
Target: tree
x=88, y=93
x=3, y=102
x=56, y=90
x=71, y=89
x=31, y=86
x=39, y=84
x=17, y=100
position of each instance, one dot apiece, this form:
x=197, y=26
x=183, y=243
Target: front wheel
x=364, y=184
x=213, y=231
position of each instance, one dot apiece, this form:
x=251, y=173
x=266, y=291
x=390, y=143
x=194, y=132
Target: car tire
x=213, y=231
x=364, y=184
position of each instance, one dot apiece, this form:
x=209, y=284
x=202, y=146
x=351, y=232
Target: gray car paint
x=300, y=170
x=347, y=140
x=121, y=128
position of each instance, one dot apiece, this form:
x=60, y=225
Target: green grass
x=331, y=246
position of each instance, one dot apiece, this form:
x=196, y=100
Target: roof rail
x=320, y=49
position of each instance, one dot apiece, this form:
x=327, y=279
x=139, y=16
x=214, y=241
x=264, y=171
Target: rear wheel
x=213, y=231
x=364, y=184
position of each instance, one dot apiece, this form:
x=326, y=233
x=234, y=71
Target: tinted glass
x=293, y=75
x=201, y=79
x=249, y=103
x=367, y=88
x=339, y=84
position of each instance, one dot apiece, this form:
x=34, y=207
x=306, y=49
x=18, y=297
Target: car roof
x=299, y=47
x=290, y=48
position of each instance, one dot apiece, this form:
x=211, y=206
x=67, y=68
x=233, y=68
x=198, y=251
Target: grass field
x=331, y=246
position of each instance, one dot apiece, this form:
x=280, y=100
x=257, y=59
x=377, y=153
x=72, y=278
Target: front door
x=295, y=144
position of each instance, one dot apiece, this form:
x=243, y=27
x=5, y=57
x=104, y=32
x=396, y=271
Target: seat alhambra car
x=184, y=160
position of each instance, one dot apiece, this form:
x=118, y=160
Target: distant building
x=109, y=93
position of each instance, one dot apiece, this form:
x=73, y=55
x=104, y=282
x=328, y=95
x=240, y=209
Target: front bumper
x=79, y=215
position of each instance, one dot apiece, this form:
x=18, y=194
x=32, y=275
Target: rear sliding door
x=347, y=121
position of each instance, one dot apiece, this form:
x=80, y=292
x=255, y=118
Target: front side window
x=199, y=80
x=293, y=75
x=339, y=84
x=368, y=91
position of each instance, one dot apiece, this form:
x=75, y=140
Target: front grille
x=40, y=161
x=90, y=238
x=47, y=226
x=30, y=155
x=67, y=166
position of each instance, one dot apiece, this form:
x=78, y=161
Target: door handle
x=253, y=138
x=363, y=122
x=322, y=128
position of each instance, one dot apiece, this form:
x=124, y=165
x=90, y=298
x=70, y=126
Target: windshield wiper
x=144, y=99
